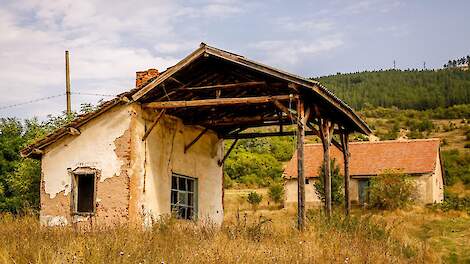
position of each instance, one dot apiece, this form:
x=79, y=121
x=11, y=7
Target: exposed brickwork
x=142, y=77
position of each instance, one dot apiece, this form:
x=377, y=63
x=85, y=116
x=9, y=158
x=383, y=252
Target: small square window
x=307, y=181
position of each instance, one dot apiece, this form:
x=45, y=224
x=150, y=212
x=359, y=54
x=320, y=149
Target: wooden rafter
x=225, y=86
x=159, y=116
x=228, y=152
x=187, y=147
x=217, y=102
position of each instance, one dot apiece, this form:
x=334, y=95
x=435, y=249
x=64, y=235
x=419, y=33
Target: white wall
x=164, y=152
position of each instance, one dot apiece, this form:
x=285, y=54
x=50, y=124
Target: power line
x=32, y=101
x=51, y=97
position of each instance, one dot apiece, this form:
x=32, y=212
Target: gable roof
x=313, y=87
x=197, y=63
x=372, y=158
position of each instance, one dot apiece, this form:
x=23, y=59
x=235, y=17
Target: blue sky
x=110, y=40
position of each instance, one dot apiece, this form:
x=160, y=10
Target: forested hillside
x=410, y=89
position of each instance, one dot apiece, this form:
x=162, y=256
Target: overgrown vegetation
x=254, y=199
x=276, y=193
x=258, y=162
x=248, y=238
x=337, y=183
x=391, y=190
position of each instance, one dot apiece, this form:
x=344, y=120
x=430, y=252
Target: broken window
x=84, y=182
x=184, y=196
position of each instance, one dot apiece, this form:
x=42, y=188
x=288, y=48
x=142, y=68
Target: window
x=84, y=181
x=363, y=191
x=307, y=181
x=184, y=196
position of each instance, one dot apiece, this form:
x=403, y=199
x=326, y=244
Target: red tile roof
x=372, y=158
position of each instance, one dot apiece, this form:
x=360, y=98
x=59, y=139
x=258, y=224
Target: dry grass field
x=265, y=236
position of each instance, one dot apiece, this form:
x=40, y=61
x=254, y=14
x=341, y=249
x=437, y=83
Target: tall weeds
x=248, y=238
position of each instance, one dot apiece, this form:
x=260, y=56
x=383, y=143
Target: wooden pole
x=300, y=166
x=67, y=82
x=346, y=155
x=325, y=137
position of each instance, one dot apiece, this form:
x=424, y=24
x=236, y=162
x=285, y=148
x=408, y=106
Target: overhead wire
x=52, y=97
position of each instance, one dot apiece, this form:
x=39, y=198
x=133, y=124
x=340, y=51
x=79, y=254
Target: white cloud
x=290, y=52
x=108, y=41
x=304, y=25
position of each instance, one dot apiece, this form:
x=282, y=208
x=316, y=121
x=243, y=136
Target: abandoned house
x=159, y=148
x=418, y=158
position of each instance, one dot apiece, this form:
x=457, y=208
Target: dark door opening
x=85, y=193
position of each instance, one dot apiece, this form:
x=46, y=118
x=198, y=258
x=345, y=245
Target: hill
x=409, y=89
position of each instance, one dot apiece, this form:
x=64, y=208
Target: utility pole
x=67, y=82
x=394, y=65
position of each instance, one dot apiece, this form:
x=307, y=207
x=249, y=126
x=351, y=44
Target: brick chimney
x=142, y=77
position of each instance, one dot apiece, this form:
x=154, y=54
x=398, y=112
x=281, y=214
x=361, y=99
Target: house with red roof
x=418, y=158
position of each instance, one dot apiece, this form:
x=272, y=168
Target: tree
x=391, y=190
x=276, y=192
x=337, y=194
x=254, y=199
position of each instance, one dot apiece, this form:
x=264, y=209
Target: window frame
x=75, y=174
x=195, y=192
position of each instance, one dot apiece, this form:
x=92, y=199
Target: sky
x=109, y=40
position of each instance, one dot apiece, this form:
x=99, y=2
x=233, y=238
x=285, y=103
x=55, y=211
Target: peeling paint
x=94, y=147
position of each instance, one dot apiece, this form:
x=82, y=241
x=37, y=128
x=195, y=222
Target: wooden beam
x=225, y=86
x=300, y=166
x=228, y=152
x=346, y=156
x=237, y=121
x=73, y=131
x=266, y=134
x=217, y=102
x=286, y=110
x=317, y=133
x=186, y=148
x=159, y=116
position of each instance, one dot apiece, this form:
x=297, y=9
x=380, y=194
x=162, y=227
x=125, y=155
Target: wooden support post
x=67, y=82
x=300, y=166
x=325, y=135
x=228, y=152
x=159, y=116
x=195, y=140
x=346, y=156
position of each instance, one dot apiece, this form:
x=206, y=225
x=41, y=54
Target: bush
x=337, y=196
x=254, y=199
x=276, y=193
x=456, y=166
x=391, y=190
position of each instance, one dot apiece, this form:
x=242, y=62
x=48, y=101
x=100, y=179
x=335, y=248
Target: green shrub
x=456, y=166
x=391, y=190
x=276, y=193
x=337, y=196
x=454, y=202
x=254, y=199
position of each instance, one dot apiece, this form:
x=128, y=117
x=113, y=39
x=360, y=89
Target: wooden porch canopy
x=229, y=93
x=226, y=92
